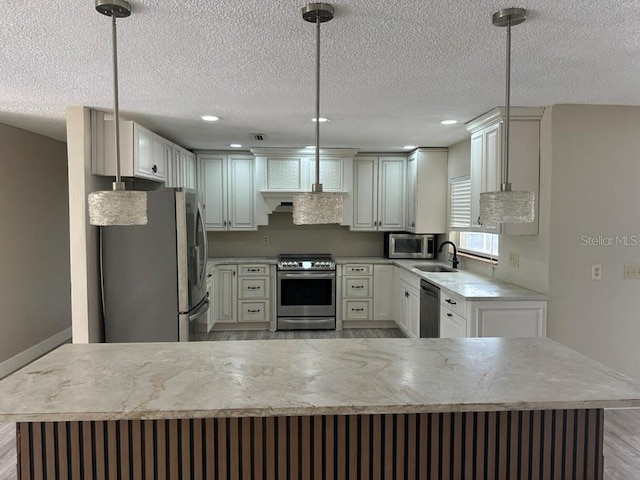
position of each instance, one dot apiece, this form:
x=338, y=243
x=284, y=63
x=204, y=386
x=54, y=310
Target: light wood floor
x=621, y=427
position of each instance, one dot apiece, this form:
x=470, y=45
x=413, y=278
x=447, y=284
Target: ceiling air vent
x=260, y=137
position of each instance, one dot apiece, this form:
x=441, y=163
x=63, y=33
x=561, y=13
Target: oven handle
x=306, y=275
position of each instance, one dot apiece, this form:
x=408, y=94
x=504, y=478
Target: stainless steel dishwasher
x=429, y=310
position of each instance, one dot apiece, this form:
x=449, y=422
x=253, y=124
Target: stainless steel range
x=306, y=292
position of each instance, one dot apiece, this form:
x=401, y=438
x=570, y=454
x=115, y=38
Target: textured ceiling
x=390, y=70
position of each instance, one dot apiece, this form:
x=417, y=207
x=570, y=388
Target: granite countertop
x=308, y=377
x=470, y=285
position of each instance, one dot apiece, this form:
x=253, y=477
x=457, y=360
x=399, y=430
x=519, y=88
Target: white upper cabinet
x=141, y=150
x=379, y=193
x=427, y=191
x=524, y=161
x=227, y=182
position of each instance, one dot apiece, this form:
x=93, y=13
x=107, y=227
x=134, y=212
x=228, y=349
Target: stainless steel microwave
x=409, y=245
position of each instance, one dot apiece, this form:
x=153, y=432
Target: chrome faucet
x=454, y=260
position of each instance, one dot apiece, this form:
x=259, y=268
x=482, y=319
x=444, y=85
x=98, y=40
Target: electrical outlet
x=514, y=260
x=632, y=272
x=596, y=271
x=265, y=239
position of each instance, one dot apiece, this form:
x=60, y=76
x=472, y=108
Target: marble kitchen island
x=369, y=408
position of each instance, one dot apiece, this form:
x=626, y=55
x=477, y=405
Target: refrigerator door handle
x=199, y=311
x=188, y=322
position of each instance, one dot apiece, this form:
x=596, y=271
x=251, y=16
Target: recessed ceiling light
x=449, y=122
x=210, y=118
x=235, y=145
x=409, y=147
x=321, y=120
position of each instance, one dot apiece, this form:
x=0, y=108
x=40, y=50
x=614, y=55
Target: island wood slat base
x=549, y=444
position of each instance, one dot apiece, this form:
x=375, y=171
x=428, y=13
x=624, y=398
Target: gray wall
x=285, y=237
x=594, y=192
x=34, y=240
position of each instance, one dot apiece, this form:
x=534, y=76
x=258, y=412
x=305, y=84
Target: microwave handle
x=431, y=247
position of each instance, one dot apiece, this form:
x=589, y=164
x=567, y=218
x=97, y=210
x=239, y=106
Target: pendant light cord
x=118, y=185
x=506, y=186
x=317, y=186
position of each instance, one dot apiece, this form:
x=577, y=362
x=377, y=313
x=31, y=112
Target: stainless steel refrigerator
x=154, y=276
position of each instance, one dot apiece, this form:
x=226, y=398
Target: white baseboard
x=29, y=355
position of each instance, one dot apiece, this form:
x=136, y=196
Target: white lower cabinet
x=367, y=292
x=226, y=293
x=211, y=318
x=452, y=325
x=491, y=318
x=408, y=303
x=242, y=293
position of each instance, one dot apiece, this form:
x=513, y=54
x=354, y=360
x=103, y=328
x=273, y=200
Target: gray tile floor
x=306, y=334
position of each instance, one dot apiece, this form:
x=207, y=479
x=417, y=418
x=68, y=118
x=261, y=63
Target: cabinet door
x=452, y=325
x=178, y=167
x=169, y=160
x=214, y=187
x=486, y=168
x=414, y=313
x=391, y=193
x=402, y=308
x=412, y=172
x=226, y=287
x=365, y=198
x=189, y=169
x=241, y=193
x=330, y=173
x=383, y=295
x=143, y=152
x=509, y=319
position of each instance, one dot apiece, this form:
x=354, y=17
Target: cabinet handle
x=406, y=294
x=357, y=309
x=224, y=223
x=450, y=302
x=413, y=224
x=357, y=269
x=253, y=270
x=253, y=288
x=357, y=286
x=449, y=314
x=479, y=220
x=253, y=311
x=209, y=275
x=154, y=169
x=234, y=273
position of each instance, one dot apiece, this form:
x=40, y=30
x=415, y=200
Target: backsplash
x=285, y=237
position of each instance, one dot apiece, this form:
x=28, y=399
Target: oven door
x=306, y=294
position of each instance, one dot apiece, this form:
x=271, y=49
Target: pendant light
x=117, y=206
x=317, y=207
x=507, y=206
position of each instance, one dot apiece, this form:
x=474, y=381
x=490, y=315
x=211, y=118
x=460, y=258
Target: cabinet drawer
x=453, y=302
x=356, y=310
x=357, y=269
x=253, y=311
x=452, y=325
x=357, y=287
x=253, y=287
x=254, y=270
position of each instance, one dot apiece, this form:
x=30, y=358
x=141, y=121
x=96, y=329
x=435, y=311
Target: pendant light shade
x=317, y=207
x=117, y=206
x=507, y=206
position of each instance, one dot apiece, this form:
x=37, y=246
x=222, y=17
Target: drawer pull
x=253, y=288
x=451, y=302
x=253, y=269
x=357, y=309
x=449, y=314
x=253, y=311
x=357, y=286
x=357, y=269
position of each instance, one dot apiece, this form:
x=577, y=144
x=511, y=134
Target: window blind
x=460, y=203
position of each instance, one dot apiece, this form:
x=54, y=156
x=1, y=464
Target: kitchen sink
x=434, y=269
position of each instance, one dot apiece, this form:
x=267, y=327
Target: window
x=478, y=243
x=475, y=243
